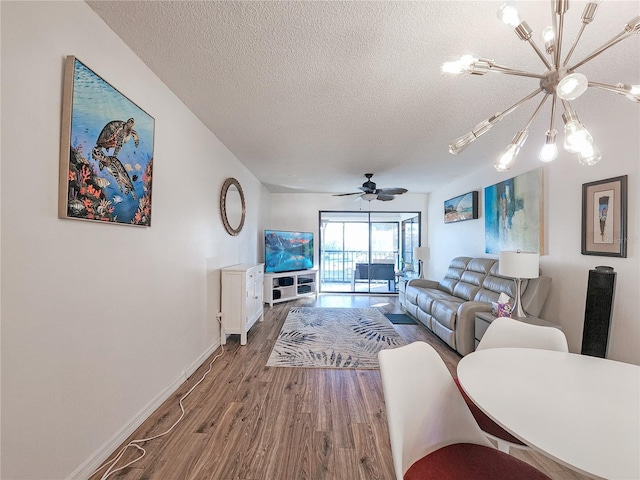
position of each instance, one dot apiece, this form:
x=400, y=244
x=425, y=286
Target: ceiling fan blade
x=345, y=194
x=392, y=191
x=384, y=197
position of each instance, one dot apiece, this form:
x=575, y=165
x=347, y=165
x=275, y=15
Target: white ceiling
x=310, y=95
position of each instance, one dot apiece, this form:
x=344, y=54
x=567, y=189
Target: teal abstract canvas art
x=514, y=214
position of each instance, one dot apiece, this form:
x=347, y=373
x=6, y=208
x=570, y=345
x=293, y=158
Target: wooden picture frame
x=604, y=217
x=461, y=208
x=106, y=152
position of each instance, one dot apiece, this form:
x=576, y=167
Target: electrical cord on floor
x=134, y=443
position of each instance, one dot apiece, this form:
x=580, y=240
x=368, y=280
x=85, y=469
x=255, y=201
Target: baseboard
x=102, y=453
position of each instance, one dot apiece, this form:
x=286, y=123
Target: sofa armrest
x=422, y=282
x=466, y=326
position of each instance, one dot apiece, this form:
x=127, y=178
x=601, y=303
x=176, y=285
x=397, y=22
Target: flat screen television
x=287, y=251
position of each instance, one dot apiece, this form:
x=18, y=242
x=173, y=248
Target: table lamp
x=519, y=265
x=421, y=254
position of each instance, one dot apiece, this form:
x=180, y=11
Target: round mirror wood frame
x=224, y=203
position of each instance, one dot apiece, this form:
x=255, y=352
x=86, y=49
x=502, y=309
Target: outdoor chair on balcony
x=375, y=271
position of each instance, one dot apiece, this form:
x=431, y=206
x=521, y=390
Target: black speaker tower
x=598, y=309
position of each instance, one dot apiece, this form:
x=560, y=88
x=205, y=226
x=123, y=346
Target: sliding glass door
x=363, y=252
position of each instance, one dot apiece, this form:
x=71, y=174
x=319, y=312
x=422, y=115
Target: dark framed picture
x=461, y=208
x=106, y=152
x=604, y=217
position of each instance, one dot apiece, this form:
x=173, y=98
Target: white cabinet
x=241, y=299
x=283, y=286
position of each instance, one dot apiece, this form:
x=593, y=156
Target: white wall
x=615, y=130
x=98, y=320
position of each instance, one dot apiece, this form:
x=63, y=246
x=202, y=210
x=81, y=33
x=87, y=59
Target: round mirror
x=232, y=206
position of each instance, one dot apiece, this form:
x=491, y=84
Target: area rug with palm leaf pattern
x=333, y=338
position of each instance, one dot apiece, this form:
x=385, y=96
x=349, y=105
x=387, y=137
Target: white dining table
x=582, y=411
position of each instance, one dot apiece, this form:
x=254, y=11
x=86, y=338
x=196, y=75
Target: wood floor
x=247, y=421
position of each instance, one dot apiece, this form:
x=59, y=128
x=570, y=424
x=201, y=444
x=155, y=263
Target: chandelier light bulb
x=590, y=11
x=572, y=86
x=576, y=137
x=547, y=34
x=549, y=151
x=633, y=25
x=509, y=15
x=460, y=143
x=548, y=37
x=509, y=154
x=451, y=68
x=464, y=64
x=634, y=93
x=589, y=155
x=505, y=160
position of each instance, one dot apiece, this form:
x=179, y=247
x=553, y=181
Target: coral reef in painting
x=88, y=197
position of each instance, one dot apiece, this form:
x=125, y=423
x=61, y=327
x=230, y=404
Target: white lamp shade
x=421, y=253
x=519, y=264
x=369, y=196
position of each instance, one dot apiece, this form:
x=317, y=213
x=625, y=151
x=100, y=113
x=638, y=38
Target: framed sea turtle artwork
x=106, y=152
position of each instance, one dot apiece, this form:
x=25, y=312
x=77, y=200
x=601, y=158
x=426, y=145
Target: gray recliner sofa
x=448, y=307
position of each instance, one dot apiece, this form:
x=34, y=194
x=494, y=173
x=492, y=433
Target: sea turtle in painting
x=116, y=169
x=116, y=133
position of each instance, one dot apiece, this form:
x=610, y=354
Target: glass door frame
x=347, y=263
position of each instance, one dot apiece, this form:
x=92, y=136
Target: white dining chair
x=506, y=332
x=432, y=432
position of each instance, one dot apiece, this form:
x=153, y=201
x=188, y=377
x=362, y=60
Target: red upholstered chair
x=503, y=333
x=433, y=434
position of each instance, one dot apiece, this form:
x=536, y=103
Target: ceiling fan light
x=508, y=14
x=572, y=86
x=369, y=196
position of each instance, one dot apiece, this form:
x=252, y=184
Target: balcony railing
x=338, y=265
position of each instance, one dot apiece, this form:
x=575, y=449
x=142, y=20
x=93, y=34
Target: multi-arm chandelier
x=559, y=80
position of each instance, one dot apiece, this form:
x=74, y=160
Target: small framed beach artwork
x=604, y=217
x=106, y=152
x=461, y=208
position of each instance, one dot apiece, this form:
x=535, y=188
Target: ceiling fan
x=371, y=192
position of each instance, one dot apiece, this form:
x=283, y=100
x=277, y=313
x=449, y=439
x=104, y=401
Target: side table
x=402, y=286
x=484, y=319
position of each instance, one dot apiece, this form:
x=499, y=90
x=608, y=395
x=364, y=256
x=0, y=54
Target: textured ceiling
x=310, y=95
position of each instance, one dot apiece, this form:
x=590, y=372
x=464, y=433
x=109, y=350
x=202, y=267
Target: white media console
x=284, y=286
